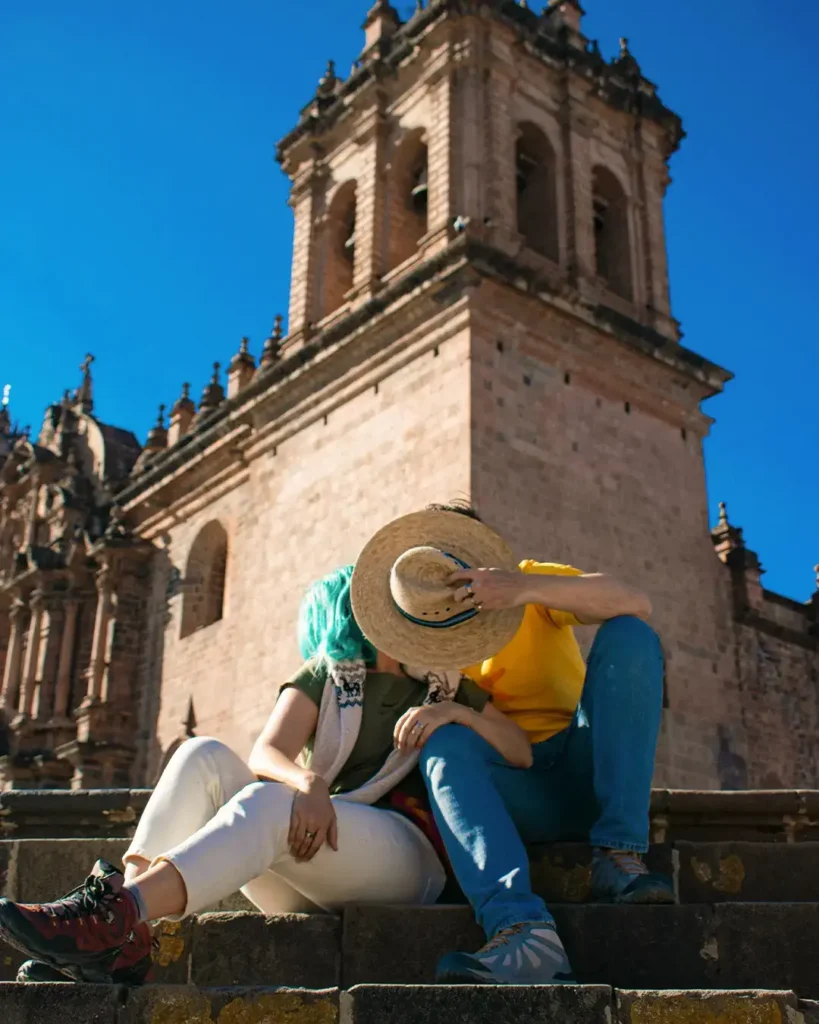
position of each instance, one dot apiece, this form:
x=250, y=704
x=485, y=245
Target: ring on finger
x=309, y=835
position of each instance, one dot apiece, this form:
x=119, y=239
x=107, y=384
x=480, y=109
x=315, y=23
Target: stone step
x=391, y=1004
x=696, y=816
x=40, y=869
x=729, y=945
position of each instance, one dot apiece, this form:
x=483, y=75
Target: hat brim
x=389, y=631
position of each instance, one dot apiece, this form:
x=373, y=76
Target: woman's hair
x=328, y=631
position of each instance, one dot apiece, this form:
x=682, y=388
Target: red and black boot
x=87, y=934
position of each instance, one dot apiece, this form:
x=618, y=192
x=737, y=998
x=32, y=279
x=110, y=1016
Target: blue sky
x=144, y=218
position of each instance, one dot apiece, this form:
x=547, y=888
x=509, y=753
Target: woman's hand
x=491, y=589
x=312, y=820
x=415, y=726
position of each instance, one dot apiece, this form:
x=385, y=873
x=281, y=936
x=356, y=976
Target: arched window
x=611, y=233
x=339, y=248
x=408, y=200
x=203, y=603
x=536, y=173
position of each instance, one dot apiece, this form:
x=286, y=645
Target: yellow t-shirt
x=538, y=677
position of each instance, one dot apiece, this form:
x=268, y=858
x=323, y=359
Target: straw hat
x=401, y=600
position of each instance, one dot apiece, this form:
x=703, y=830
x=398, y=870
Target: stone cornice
x=441, y=280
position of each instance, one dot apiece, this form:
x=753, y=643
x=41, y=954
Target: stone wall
x=303, y=507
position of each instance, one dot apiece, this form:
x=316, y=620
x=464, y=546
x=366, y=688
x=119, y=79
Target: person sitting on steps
x=292, y=837
x=593, y=728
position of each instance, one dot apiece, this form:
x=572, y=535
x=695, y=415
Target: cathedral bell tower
x=485, y=179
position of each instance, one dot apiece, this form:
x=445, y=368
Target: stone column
x=369, y=212
x=309, y=185
x=63, y=691
x=11, y=673
x=96, y=670
x=32, y=658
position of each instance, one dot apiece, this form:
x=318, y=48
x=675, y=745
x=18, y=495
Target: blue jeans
x=592, y=781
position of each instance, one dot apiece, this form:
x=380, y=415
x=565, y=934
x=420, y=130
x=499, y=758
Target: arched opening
x=339, y=248
x=408, y=200
x=203, y=603
x=536, y=177
x=612, y=244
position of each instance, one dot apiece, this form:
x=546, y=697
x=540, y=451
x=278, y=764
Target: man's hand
x=312, y=821
x=491, y=589
x=415, y=726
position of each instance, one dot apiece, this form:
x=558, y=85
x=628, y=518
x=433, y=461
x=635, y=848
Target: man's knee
x=631, y=634
x=630, y=644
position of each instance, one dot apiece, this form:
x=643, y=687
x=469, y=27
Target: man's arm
x=592, y=598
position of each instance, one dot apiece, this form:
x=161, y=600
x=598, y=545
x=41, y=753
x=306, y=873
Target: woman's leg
x=381, y=857
x=201, y=776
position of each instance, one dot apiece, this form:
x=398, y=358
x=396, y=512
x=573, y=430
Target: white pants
x=224, y=830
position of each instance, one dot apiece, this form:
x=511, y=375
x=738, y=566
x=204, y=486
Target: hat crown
x=418, y=584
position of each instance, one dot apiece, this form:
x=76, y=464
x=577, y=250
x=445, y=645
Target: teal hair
x=327, y=628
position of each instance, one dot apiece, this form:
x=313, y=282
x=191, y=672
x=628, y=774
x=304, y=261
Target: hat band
x=456, y=620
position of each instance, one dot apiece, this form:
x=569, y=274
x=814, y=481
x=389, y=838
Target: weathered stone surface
x=638, y=947
x=479, y=1004
x=172, y=952
x=767, y=945
x=53, y=813
x=169, y=1004
x=704, y=1007
x=249, y=949
x=742, y=872
x=391, y=945
x=43, y=869
x=73, y=1004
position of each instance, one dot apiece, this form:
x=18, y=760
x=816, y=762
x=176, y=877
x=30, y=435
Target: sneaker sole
x=451, y=972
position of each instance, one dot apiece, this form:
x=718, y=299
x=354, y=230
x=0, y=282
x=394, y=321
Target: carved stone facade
x=479, y=307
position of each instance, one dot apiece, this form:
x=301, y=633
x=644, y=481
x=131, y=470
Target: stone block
x=77, y=1004
x=302, y=950
x=476, y=1004
x=635, y=947
x=767, y=945
x=733, y=872
x=44, y=869
x=185, y=1004
x=52, y=813
x=402, y=945
x=172, y=951
x=638, y=947
x=707, y=1007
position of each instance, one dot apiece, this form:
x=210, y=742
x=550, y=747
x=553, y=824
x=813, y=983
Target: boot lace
x=85, y=899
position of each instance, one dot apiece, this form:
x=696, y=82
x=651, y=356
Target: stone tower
x=479, y=308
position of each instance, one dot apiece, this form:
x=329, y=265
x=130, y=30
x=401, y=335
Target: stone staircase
x=741, y=946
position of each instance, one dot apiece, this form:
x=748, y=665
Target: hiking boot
x=82, y=934
x=620, y=876
x=530, y=953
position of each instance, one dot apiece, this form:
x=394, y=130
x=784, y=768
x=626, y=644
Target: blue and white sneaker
x=529, y=953
x=620, y=876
